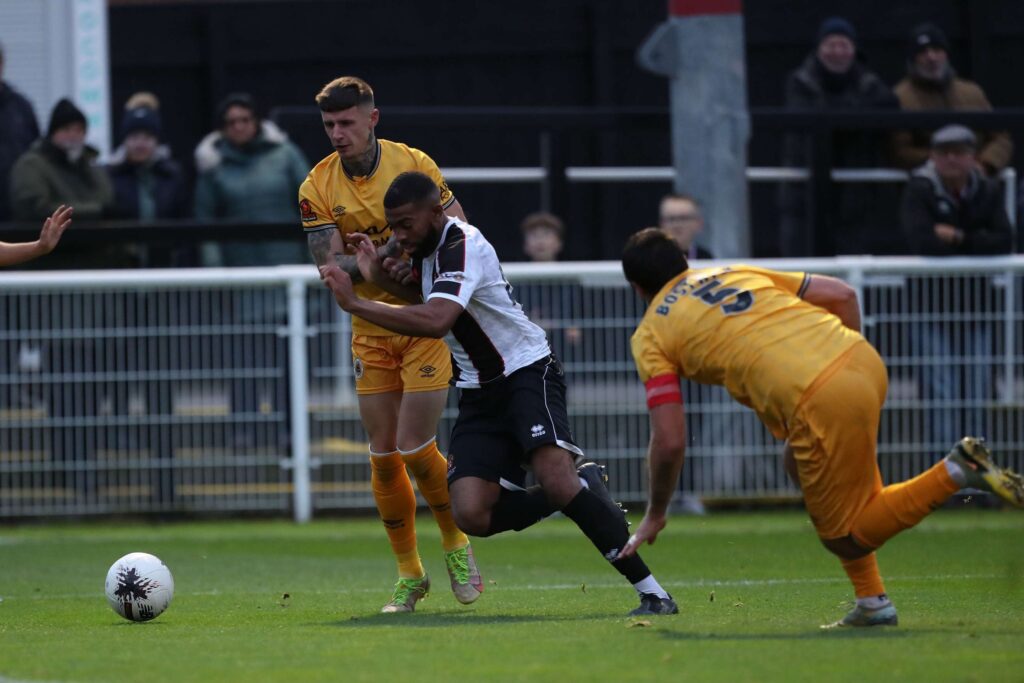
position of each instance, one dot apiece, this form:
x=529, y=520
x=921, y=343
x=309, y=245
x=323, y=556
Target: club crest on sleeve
x=306, y=211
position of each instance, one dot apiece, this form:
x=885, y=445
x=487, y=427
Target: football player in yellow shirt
x=787, y=345
x=401, y=382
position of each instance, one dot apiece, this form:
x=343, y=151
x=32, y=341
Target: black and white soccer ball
x=139, y=587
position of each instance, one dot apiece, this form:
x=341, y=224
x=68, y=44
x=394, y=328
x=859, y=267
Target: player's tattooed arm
x=326, y=247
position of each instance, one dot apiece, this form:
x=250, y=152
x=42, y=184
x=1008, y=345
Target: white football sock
x=650, y=585
x=874, y=601
x=955, y=472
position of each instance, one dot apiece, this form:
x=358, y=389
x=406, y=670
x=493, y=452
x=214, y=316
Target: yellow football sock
x=863, y=573
x=396, y=502
x=431, y=471
x=901, y=506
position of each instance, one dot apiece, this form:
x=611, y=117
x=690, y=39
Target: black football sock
x=607, y=530
x=517, y=510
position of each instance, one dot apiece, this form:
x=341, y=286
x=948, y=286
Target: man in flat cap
x=932, y=84
x=951, y=209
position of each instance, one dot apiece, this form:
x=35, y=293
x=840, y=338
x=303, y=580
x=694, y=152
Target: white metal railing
x=647, y=174
x=230, y=389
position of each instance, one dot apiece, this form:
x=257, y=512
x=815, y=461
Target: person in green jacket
x=248, y=172
x=60, y=169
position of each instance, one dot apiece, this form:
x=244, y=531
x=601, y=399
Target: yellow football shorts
x=834, y=437
x=400, y=363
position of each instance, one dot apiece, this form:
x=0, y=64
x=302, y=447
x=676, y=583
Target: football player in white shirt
x=512, y=409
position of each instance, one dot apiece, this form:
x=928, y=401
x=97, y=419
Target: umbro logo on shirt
x=338, y=210
x=537, y=430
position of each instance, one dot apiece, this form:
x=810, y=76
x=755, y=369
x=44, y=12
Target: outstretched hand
x=647, y=533
x=53, y=228
x=340, y=284
x=366, y=256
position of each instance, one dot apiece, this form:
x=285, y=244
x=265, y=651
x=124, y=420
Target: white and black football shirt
x=492, y=337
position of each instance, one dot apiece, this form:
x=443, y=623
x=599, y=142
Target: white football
x=139, y=587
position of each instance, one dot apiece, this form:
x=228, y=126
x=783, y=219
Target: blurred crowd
x=247, y=170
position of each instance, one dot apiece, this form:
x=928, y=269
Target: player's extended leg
x=417, y=427
x=901, y=506
x=600, y=520
x=393, y=494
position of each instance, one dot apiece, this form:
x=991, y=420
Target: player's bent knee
x=471, y=507
x=472, y=520
x=846, y=547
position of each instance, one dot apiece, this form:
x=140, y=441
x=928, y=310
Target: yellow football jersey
x=330, y=197
x=742, y=327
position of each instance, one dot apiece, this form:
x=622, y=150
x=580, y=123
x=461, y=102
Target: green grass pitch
x=753, y=589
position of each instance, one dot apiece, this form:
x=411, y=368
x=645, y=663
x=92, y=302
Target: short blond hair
x=344, y=93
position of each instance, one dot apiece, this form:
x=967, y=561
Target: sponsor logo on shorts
x=537, y=431
x=357, y=367
x=451, y=463
x=427, y=371
x=612, y=555
x=306, y=211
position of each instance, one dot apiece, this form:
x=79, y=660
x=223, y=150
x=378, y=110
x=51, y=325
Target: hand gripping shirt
x=330, y=198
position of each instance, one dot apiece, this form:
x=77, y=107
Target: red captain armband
x=663, y=389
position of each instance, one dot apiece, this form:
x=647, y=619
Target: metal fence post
x=298, y=367
x=1009, y=178
x=1009, y=339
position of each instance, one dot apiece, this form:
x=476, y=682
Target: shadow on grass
x=833, y=634
x=457, y=618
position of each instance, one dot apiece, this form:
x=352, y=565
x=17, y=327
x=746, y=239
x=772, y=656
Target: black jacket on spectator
x=861, y=215
x=163, y=179
x=980, y=213
x=18, y=130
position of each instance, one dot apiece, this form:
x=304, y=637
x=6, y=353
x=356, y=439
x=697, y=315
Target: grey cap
x=954, y=134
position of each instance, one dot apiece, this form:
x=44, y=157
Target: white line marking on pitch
x=696, y=583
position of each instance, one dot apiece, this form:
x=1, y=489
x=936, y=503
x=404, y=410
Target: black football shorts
x=503, y=422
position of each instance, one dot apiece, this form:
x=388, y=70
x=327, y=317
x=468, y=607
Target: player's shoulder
x=645, y=336
x=467, y=238
x=322, y=171
x=400, y=150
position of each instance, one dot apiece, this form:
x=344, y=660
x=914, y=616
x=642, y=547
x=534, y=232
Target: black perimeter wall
x=528, y=53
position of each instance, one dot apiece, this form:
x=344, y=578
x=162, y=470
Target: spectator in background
x=680, y=216
x=60, y=169
x=543, y=236
x=932, y=84
x=833, y=78
x=249, y=171
x=551, y=307
x=950, y=208
x=148, y=184
x=18, y=130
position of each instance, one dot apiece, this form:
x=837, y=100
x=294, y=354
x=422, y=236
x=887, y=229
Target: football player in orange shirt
x=787, y=345
x=401, y=381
